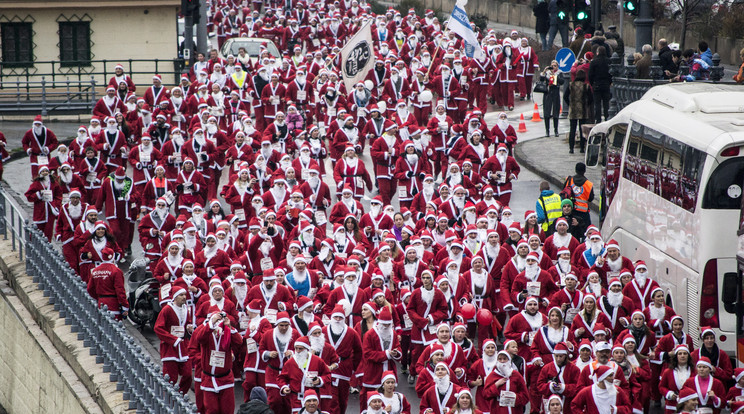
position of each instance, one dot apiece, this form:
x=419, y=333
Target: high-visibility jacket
x=581, y=194
x=551, y=206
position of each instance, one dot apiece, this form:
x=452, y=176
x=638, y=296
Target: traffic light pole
x=644, y=24
x=596, y=14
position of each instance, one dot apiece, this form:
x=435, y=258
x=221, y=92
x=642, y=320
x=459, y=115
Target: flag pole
x=436, y=51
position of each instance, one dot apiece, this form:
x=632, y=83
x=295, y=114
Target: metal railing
x=72, y=96
x=137, y=376
x=626, y=89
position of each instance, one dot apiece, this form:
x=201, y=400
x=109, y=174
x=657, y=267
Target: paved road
x=525, y=193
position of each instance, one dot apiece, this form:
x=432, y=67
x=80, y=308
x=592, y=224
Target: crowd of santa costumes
x=271, y=277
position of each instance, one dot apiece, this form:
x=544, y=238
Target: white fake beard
x=428, y=190
x=66, y=177
x=507, y=221
x=94, y=130
x=412, y=158
x=299, y=277
x=615, y=298
x=301, y=357
x=324, y=252
x=521, y=262
x=374, y=210
x=350, y=203
x=340, y=238
x=212, y=128
x=442, y=384
x=130, y=106
x=308, y=237
x=531, y=271
x=564, y=264
x=304, y=157
x=470, y=217
x=596, y=288
x=176, y=101
x=503, y=124
x=640, y=278
x=200, y=139
x=596, y=247
x=337, y=327
x=504, y=368
x=615, y=265
x=265, y=248
x=314, y=181
x=76, y=211
x=455, y=179
x=38, y=129
x=178, y=139
x=240, y=292
x=162, y=212
x=351, y=287
x=317, y=343
x=459, y=201
x=385, y=331
x=501, y=156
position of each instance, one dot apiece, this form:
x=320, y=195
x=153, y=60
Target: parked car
x=252, y=46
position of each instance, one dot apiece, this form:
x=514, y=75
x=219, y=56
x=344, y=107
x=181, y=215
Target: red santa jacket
x=106, y=285
x=216, y=356
x=174, y=338
x=585, y=402
x=377, y=358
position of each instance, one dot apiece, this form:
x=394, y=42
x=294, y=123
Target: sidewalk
x=549, y=158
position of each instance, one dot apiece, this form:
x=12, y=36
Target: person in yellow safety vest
x=582, y=191
x=548, y=208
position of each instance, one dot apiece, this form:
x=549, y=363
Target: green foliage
x=377, y=8
x=480, y=20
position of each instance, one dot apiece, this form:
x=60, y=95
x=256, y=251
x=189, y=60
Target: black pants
x=572, y=134
x=547, y=124
x=601, y=104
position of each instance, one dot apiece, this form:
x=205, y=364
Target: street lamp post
x=644, y=24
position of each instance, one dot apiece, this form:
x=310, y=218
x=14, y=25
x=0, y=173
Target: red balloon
x=484, y=317
x=468, y=311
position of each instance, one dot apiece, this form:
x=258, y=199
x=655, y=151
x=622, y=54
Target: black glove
x=204, y=157
x=410, y=174
x=422, y=176
x=414, y=192
x=179, y=187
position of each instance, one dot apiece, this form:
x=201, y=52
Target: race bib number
x=236, y=165
x=46, y=195
x=316, y=42
x=165, y=290
x=340, y=255
x=432, y=329
x=359, y=182
x=705, y=410
x=42, y=160
x=178, y=331
x=571, y=314
x=170, y=198
x=244, y=321
x=361, y=112
x=305, y=174
x=310, y=377
x=65, y=198
x=90, y=177
x=266, y=264
x=217, y=359
x=240, y=214
x=177, y=158
x=250, y=346
x=531, y=335
x=402, y=193
x=533, y=288
x=463, y=79
x=331, y=112
x=407, y=321
x=270, y=315
x=443, y=126
x=507, y=399
x=144, y=158
x=500, y=177
x=320, y=217
x=187, y=188
x=301, y=95
x=275, y=100
x=739, y=398
x=326, y=320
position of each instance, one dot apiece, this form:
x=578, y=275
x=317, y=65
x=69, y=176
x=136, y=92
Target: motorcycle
x=144, y=306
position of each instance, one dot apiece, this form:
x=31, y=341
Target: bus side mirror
x=593, y=148
x=729, y=291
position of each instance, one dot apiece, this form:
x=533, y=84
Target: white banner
x=460, y=24
x=357, y=57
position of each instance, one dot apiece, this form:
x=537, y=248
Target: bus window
x=724, y=186
x=614, y=157
x=671, y=170
x=631, y=171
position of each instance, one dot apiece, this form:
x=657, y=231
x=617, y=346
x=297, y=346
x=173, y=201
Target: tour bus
x=673, y=170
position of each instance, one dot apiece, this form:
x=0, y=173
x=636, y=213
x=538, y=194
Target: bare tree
x=685, y=10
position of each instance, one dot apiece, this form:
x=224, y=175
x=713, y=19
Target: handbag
x=540, y=87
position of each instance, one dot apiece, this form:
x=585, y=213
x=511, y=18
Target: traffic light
x=631, y=6
x=582, y=11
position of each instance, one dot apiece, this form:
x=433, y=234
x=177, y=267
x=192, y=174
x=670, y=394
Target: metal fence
x=60, y=96
x=127, y=364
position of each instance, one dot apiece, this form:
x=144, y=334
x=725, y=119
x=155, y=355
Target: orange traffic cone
x=522, y=125
x=536, y=114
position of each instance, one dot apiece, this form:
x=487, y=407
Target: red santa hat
x=179, y=288
x=563, y=250
x=269, y=274
x=515, y=226
x=314, y=326
x=704, y=330
x=680, y=347
x=120, y=173
x=534, y=256
x=385, y=316
x=706, y=362
x=309, y=394
x=585, y=344
x=687, y=394
x=404, y=293
x=599, y=329
x=284, y=317
x=531, y=299
x=303, y=302
x=75, y=192
x=602, y=372
x=522, y=242
x=560, y=349
x=338, y=310
x=561, y=220
x=371, y=396
x=389, y=375
x=436, y=348
x=612, y=244
x=615, y=281
x=107, y=254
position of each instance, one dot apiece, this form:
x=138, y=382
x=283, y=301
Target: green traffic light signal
x=631, y=6
x=562, y=15
x=581, y=15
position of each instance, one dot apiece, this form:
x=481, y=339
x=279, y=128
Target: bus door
x=606, y=151
x=733, y=290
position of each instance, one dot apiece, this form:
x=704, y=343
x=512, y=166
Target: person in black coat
x=552, y=98
x=258, y=403
x=665, y=57
x=542, y=22
x=600, y=79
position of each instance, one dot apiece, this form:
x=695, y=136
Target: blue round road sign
x=565, y=58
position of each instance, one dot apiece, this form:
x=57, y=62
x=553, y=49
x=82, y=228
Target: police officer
x=548, y=208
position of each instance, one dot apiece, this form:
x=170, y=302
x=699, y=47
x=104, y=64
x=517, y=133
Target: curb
x=545, y=175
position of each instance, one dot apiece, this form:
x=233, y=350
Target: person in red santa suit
x=533, y=281
x=254, y=367
x=505, y=387
x=91, y=172
x=38, y=142
x=501, y=169
x=384, y=153
x=560, y=376
x=616, y=307
x=277, y=195
x=275, y=297
x=202, y=152
x=46, y=196
x=275, y=349
x=91, y=252
x=111, y=144
x=602, y=397
x=348, y=346
x=563, y=241
x=303, y=371
x=211, y=260
x=144, y=158
x=273, y=97
x=442, y=394
x=172, y=157
x=153, y=228
x=447, y=87
x=421, y=101
x=507, y=62
x=404, y=119
x=71, y=214
x=156, y=93
x=427, y=309
x=106, y=285
x=527, y=64
x=215, y=340
x=120, y=76
x=190, y=187
x=722, y=369
x=350, y=171
x=215, y=297
x=611, y=263
x=109, y=104
x=523, y=326
x=503, y=133
x=439, y=126
x=121, y=203
x=640, y=287
x=320, y=346
x=380, y=350
x=300, y=91
x=410, y=170
x=174, y=330
x=453, y=355
x=674, y=377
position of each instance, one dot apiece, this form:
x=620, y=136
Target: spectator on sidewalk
x=258, y=403
x=600, y=79
x=583, y=193
x=665, y=56
x=643, y=65
x=580, y=45
x=542, y=22
x=674, y=69
x=579, y=110
x=699, y=68
x=558, y=21
x=739, y=77
x=598, y=40
x=615, y=41
x=552, y=98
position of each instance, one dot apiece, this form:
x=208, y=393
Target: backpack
x=567, y=192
